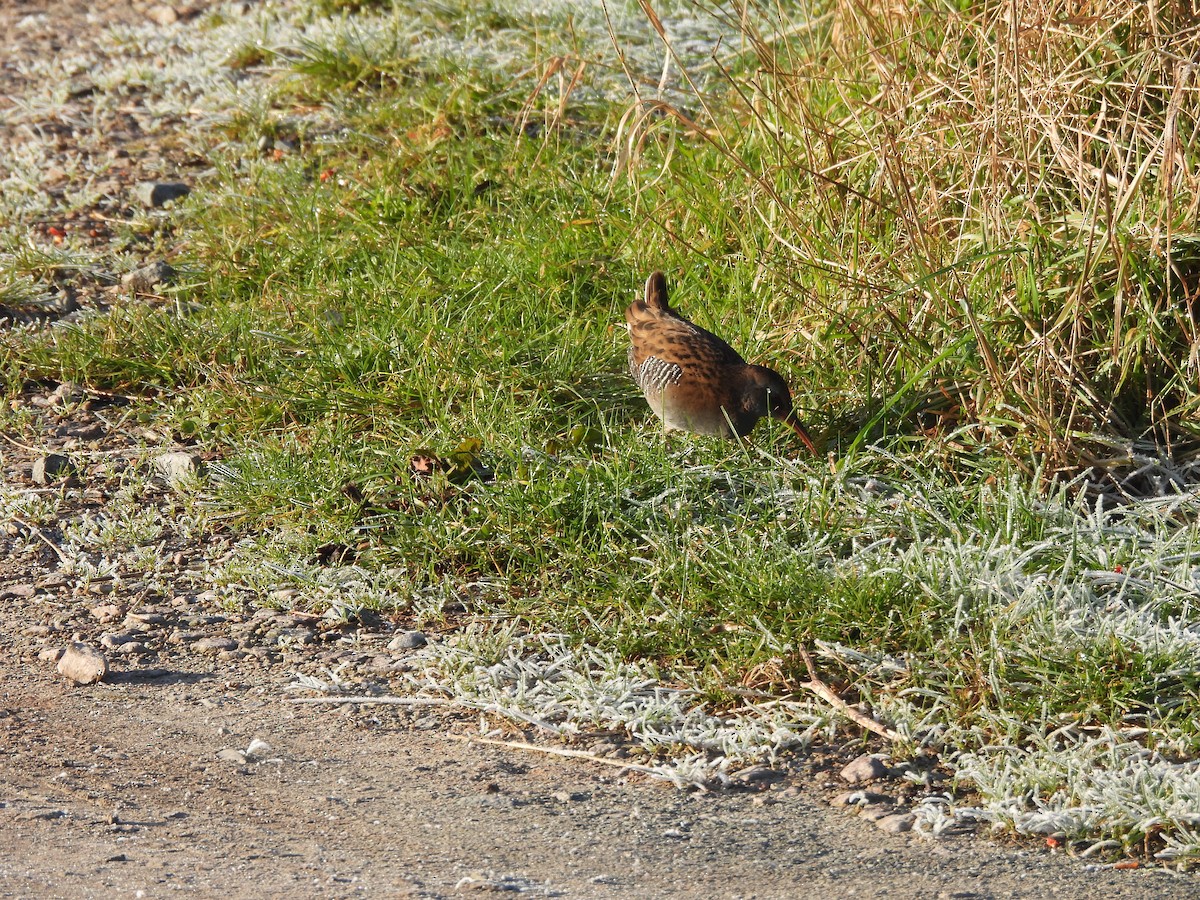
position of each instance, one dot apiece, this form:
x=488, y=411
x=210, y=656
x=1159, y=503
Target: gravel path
x=131, y=786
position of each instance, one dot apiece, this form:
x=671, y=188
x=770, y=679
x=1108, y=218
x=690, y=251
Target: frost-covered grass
x=419, y=233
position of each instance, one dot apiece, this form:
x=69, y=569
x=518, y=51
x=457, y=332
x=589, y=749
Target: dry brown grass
x=987, y=211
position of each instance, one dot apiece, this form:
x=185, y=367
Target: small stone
x=51, y=466
x=758, y=776
x=67, y=392
x=290, y=637
x=111, y=640
x=859, y=798
x=896, y=823
x=215, y=645
x=145, y=279
x=157, y=193
x=408, y=640
x=17, y=592
x=51, y=654
x=865, y=768
x=145, y=618
x=162, y=15
x=105, y=613
x=569, y=796
x=257, y=749
x=130, y=648
x=176, y=467
x=83, y=664
x=873, y=812
x=229, y=754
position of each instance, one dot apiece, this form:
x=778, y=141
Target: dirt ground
x=141, y=785
x=118, y=790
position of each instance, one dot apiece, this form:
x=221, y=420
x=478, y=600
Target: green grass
x=421, y=273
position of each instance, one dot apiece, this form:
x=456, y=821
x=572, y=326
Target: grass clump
x=986, y=214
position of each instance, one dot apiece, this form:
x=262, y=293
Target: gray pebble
x=51, y=466
x=66, y=393
x=873, y=812
x=144, y=618
x=865, y=768
x=215, y=645
x=145, y=279
x=758, y=776
x=156, y=193
x=286, y=637
x=110, y=640
x=178, y=466
x=896, y=823
x=408, y=640
x=262, y=654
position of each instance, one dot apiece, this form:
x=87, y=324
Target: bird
x=696, y=382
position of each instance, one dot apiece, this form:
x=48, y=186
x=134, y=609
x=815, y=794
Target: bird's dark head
x=768, y=395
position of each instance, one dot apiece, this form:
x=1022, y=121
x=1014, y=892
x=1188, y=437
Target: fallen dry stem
x=826, y=693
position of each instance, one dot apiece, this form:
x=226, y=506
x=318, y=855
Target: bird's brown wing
x=662, y=334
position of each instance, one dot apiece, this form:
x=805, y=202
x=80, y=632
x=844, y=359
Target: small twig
x=431, y=701
x=826, y=693
x=17, y=443
x=40, y=535
x=558, y=751
x=515, y=745
x=361, y=700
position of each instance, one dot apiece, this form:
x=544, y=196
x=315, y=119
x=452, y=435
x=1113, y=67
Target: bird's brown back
x=658, y=332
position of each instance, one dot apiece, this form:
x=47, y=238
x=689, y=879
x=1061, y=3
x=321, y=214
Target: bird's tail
x=656, y=291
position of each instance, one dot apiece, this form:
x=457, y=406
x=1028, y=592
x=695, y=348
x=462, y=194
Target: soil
x=146, y=783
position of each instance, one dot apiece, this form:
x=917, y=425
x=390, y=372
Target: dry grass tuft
x=983, y=212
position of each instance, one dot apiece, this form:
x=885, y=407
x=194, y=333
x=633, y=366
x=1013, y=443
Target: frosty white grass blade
x=542, y=680
x=1081, y=785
